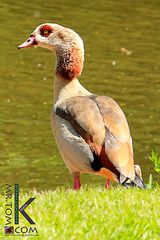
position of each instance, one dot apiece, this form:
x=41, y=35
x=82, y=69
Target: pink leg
x=107, y=184
x=77, y=183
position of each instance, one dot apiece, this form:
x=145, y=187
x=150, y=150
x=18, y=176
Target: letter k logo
x=21, y=209
x=24, y=213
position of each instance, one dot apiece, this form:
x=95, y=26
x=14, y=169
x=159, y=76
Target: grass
x=92, y=213
x=155, y=159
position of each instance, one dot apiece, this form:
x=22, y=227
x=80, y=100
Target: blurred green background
x=122, y=60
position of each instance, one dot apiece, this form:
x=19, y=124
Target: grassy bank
x=92, y=213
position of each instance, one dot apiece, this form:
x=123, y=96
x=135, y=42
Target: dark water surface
x=122, y=42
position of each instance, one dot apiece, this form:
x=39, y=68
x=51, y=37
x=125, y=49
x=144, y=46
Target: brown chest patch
x=70, y=64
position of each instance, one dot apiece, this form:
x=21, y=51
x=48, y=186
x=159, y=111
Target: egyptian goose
x=91, y=131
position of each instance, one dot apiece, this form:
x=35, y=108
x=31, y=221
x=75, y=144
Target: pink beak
x=30, y=42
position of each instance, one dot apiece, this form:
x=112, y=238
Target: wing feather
x=118, y=143
x=84, y=116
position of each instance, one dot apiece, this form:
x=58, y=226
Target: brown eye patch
x=46, y=30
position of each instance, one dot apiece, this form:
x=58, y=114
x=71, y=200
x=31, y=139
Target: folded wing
x=102, y=124
x=118, y=142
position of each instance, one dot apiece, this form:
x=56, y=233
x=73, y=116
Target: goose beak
x=30, y=42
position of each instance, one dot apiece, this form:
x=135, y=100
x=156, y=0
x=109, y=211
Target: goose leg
x=77, y=183
x=107, y=184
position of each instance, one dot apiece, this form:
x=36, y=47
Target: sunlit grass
x=92, y=213
x=155, y=158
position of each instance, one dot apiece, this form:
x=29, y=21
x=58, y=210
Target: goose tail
x=137, y=182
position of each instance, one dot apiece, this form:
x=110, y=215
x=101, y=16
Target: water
x=122, y=61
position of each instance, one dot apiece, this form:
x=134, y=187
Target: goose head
x=67, y=45
x=53, y=37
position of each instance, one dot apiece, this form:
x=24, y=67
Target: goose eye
x=45, y=32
